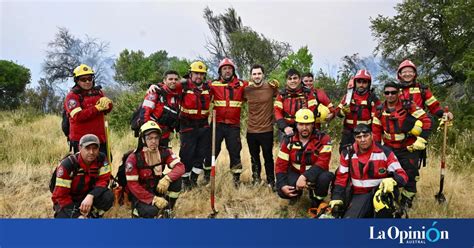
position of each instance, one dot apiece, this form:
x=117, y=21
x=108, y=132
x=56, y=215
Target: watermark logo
x=420, y=235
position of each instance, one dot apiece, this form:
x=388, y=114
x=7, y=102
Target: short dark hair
x=391, y=84
x=171, y=72
x=292, y=72
x=307, y=74
x=257, y=66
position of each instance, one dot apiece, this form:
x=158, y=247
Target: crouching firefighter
x=303, y=161
x=367, y=179
x=79, y=185
x=153, y=175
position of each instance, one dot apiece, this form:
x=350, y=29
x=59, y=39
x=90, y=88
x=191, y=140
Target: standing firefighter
x=403, y=128
x=319, y=94
x=162, y=106
x=153, y=175
x=228, y=95
x=259, y=95
x=303, y=161
x=360, y=109
x=366, y=167
x=80, y=189
x=86, y=106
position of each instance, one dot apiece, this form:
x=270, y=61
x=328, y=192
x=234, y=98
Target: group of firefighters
x=381, y=147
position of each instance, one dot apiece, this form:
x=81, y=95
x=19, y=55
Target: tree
x=246, y=47
x=43, y=98
x=134, y=69
x=13, y=80
x=67, y=52
x=302, y=60
x=437, y=35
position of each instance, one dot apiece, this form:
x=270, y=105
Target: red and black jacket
x=299, y=158
x=393, y=127
x=227, y=99
x=363, y=108
x=75, y=180
x=421, y=95
x=288, y=102
x=142, y=178
x=194, y=105
x=365, y=171
x=83, y=116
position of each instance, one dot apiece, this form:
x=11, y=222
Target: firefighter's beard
x=152, y=156
x=305, y=133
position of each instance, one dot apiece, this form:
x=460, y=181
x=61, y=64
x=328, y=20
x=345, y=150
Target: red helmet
x=363, y=74
x=226, y=61
x=406, y=63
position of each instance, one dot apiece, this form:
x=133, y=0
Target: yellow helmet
x=304, y=116
x=198, y=66
x=82, y=70
x=323, y=113
x=382, y=201
x=148, y=127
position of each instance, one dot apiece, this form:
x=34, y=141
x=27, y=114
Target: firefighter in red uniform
x=405, y=131
x=162, y=106
x=360, y=110
x=228, y=95
x=414, y=92
x=86, y=106
x=81, y=182
x=290, y=100
x=303, y=161
x=153, y=175
x=320, y=95
x=195, y=135
x=366, y=167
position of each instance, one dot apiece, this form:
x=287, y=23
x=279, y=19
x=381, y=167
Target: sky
x=330, y=29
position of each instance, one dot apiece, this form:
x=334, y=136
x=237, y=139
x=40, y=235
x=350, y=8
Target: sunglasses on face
x=85, y=79
x=391, y=92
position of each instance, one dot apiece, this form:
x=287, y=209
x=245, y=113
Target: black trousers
x=409, y=162
x=195, y=146
x=362, y=206
x=264, y=141
x=320, y=184
x=102, y=202
x=231, y=135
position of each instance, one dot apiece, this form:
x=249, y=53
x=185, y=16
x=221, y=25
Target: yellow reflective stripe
x=312, y=103
x=189, y=111
x=418, y=113
x=330, y=105
x=376, y=121
x=219, y=103
x=363, y=102
x=172, y=194
x=431, y=100
x=326, y=148
x=365, y=122
x=189, y=92
x=174, y=162
x=217, y=83
x=414, y=90
x=132, y=178
x=104, y=169
x=204, y=112
x=278, y=104
x=75, y=111
x=65, y=183
x=235, y=104
x=283, y=155
x=298, y=166
x=205, y=92
x=340, y=105
x=398, y=136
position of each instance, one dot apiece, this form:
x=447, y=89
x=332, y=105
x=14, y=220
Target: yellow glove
x=387, y=185
x=105, y=100
x=420, y=144
x=159, y=202
x=163, y=184
x=417, y=128
x=103, y=103
x=101, y=107
x=345, y=110
x=334, y=203
x=443, y=121
x=274, y=83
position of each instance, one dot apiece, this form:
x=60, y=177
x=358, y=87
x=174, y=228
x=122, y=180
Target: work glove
x=274, y=83
x=417, y=128
x=335, y=203
x=346, y=109
x=420, y=144
x=159, y=202
x=163, y=184
x=444, y=121
x=101, y=107
x=387, y=185
x=103, y=103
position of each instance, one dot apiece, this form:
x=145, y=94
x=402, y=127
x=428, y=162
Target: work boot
x=256, y=181
x=406, y=202
x=193, y=179
x=272, y=186
x=236, y=179
x=315, y=203
x=186, y=184
x=207, y=176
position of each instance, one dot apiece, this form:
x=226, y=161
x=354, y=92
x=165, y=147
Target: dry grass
x=30, y=150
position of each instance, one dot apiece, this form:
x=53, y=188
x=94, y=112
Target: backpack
x=137, y=120
x=72, y=164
